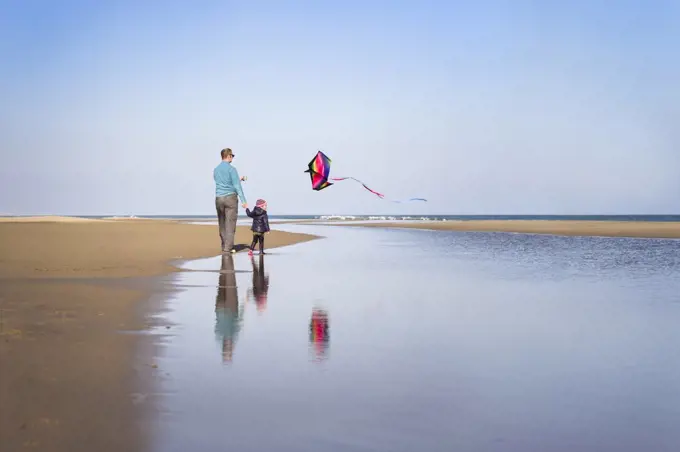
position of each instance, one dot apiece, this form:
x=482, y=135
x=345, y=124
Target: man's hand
x=244, y=178
x=245, y=205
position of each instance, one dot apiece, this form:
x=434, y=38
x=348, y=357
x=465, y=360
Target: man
x=227, y=188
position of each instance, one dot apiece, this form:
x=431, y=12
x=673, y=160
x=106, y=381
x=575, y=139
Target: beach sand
x=67, y=374
x=557, y=227
x=86, y=248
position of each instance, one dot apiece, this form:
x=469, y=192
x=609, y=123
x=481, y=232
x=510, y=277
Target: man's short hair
x=226, y=152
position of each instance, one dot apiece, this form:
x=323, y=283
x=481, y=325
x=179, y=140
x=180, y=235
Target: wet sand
x=67, y=374
x=640, y=229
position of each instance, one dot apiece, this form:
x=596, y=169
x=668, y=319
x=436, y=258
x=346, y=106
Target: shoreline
x=629, y=229
x=68, y=288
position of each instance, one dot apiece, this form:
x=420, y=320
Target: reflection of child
x=260, y=285
x=260, y=224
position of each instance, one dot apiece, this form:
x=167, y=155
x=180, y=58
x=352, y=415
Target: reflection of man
x=260, y=284
x=227, y=313
x=227, y=191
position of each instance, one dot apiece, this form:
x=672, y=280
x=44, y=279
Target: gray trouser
x=227, y=211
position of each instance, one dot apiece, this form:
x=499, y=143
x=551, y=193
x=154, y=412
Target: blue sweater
x=227, y=181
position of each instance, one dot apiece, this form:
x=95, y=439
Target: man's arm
x=236, y=180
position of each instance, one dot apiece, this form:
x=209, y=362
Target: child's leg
x=252, y=245
x=262, y=244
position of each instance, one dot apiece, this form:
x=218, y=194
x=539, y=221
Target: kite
x=319, y=169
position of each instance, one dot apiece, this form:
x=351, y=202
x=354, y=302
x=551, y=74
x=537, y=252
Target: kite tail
x=410, y=200
x=380, y=195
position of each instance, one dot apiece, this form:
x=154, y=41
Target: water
x=436, y=217
x=436, y=340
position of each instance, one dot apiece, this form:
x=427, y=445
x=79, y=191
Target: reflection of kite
x=319, y=334
x=319, y=169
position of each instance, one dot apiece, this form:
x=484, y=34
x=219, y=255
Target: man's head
x=227, y=154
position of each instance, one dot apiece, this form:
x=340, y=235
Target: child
x=260, y=224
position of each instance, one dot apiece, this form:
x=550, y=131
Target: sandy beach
x=557, y=227
x=67, y=375
x=83, y=248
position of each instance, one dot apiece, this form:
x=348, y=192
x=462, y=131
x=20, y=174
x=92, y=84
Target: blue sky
x=481, y=107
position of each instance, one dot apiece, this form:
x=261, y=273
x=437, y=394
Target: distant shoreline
x=630, y=229
x=667, y=227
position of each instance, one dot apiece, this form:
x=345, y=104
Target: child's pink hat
x=260, y=203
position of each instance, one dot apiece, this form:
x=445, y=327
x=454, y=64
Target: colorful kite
x=319, y=169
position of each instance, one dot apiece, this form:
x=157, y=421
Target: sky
x=485, y=107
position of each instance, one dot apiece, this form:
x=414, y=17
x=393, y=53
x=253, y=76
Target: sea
x=632, y=217
x=394, y=340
